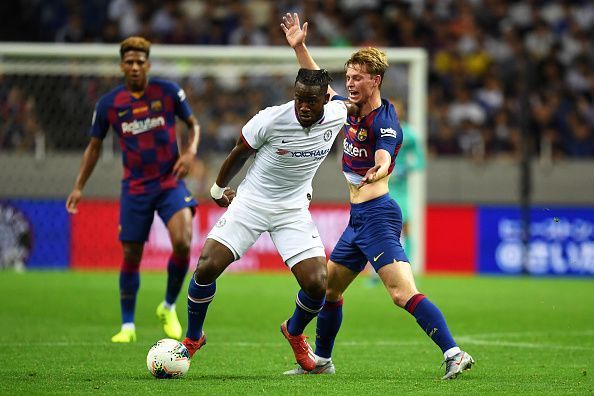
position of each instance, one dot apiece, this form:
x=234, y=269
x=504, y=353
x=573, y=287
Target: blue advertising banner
x=562, y=241
x=35, y=233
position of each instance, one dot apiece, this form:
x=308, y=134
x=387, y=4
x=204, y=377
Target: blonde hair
x=374, y=60
x=135, y=43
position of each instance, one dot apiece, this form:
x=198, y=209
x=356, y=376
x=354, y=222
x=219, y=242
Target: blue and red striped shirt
x=363, y=136
x=146, y=130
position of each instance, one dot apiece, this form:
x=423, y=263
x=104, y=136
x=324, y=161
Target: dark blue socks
x=177, y=267
x=306, y=308
x=329, y=321
x=129, y=284
x=199, y=297
x=431, y=320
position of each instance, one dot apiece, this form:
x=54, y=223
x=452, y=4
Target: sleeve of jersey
x=254, y=132
x=182, y=107
x=100, y=122
x=388, y=133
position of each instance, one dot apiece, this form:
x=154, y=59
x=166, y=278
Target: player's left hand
x=182, y=166
x=226, y=199
x=293, y=32
x=370, y=176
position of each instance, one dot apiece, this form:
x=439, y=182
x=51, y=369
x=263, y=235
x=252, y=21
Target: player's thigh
x=240, y=226
x=399, y=281
x=378, y=237
x=169, y=202
x=346, y=252
x=296, y=236
x=339, y=278
x=136, y=217
x=180, y=228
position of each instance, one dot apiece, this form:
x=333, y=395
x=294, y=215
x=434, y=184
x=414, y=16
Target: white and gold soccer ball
x=168, y=358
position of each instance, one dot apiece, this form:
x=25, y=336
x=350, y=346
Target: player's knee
x=132, y=254
x=400, y=297
x=315, y=284
x=205, y=272
x=181, y=248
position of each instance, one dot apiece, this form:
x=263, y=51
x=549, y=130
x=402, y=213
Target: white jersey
x=288, y=154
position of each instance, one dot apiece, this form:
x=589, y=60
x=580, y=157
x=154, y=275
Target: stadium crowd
x=495, y=65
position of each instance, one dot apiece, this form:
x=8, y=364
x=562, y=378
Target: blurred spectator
x=484, y=55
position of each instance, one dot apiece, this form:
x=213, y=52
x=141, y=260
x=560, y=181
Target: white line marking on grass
x=476, y=341
x=518, y=334
x=487, y=339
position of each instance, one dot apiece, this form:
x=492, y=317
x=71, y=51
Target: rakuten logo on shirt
x=139, y=126
x=353, y=151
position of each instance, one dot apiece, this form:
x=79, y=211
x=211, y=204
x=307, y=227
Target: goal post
x=38, y=66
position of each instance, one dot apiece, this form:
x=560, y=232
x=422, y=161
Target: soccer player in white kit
x=289, y=141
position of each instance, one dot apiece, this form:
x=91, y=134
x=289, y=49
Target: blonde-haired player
x=372, y=141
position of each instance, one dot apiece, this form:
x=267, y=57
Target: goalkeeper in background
x=142, y=113
x=411, y=158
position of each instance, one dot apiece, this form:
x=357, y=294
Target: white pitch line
x=510, y=344
x=518, y=334
x=468, y=339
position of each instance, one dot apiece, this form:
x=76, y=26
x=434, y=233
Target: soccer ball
x=168, y=358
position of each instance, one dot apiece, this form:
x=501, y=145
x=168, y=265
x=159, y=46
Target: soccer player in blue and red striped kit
x=142, y=113
x=372, y=140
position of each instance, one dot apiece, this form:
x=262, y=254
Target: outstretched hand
x=370, y=176
x=226, y=199
x=294, y=33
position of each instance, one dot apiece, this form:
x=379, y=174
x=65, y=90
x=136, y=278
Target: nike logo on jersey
x=122, y=113
x=188, y=199
x=315, y=236
x=378, y=256
x=285, y=141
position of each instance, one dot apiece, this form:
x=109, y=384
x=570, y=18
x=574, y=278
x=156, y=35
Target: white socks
x=451, y=352
x=128, y=326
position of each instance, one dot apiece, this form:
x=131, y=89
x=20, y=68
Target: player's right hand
x=226, y=199
x=293, y=32
x=72, y=200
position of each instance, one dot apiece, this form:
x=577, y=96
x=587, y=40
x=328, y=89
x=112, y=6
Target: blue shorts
x=137, y=211
x=373, y=235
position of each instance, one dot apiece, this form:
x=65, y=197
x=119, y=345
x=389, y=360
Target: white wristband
x=217, y=192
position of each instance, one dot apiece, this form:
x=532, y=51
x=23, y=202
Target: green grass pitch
x=527, y=335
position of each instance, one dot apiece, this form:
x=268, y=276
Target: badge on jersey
x=362, y=135
x=156, y=106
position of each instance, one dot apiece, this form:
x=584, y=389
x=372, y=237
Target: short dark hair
x=321, y=78
x=135, y=43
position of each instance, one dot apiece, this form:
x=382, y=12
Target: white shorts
x=293, y=231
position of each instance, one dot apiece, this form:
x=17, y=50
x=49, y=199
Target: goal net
x=48, y=92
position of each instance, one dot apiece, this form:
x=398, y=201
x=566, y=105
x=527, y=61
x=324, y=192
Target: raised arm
x=295, y=35
x=232, y=164
x=87, y=165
